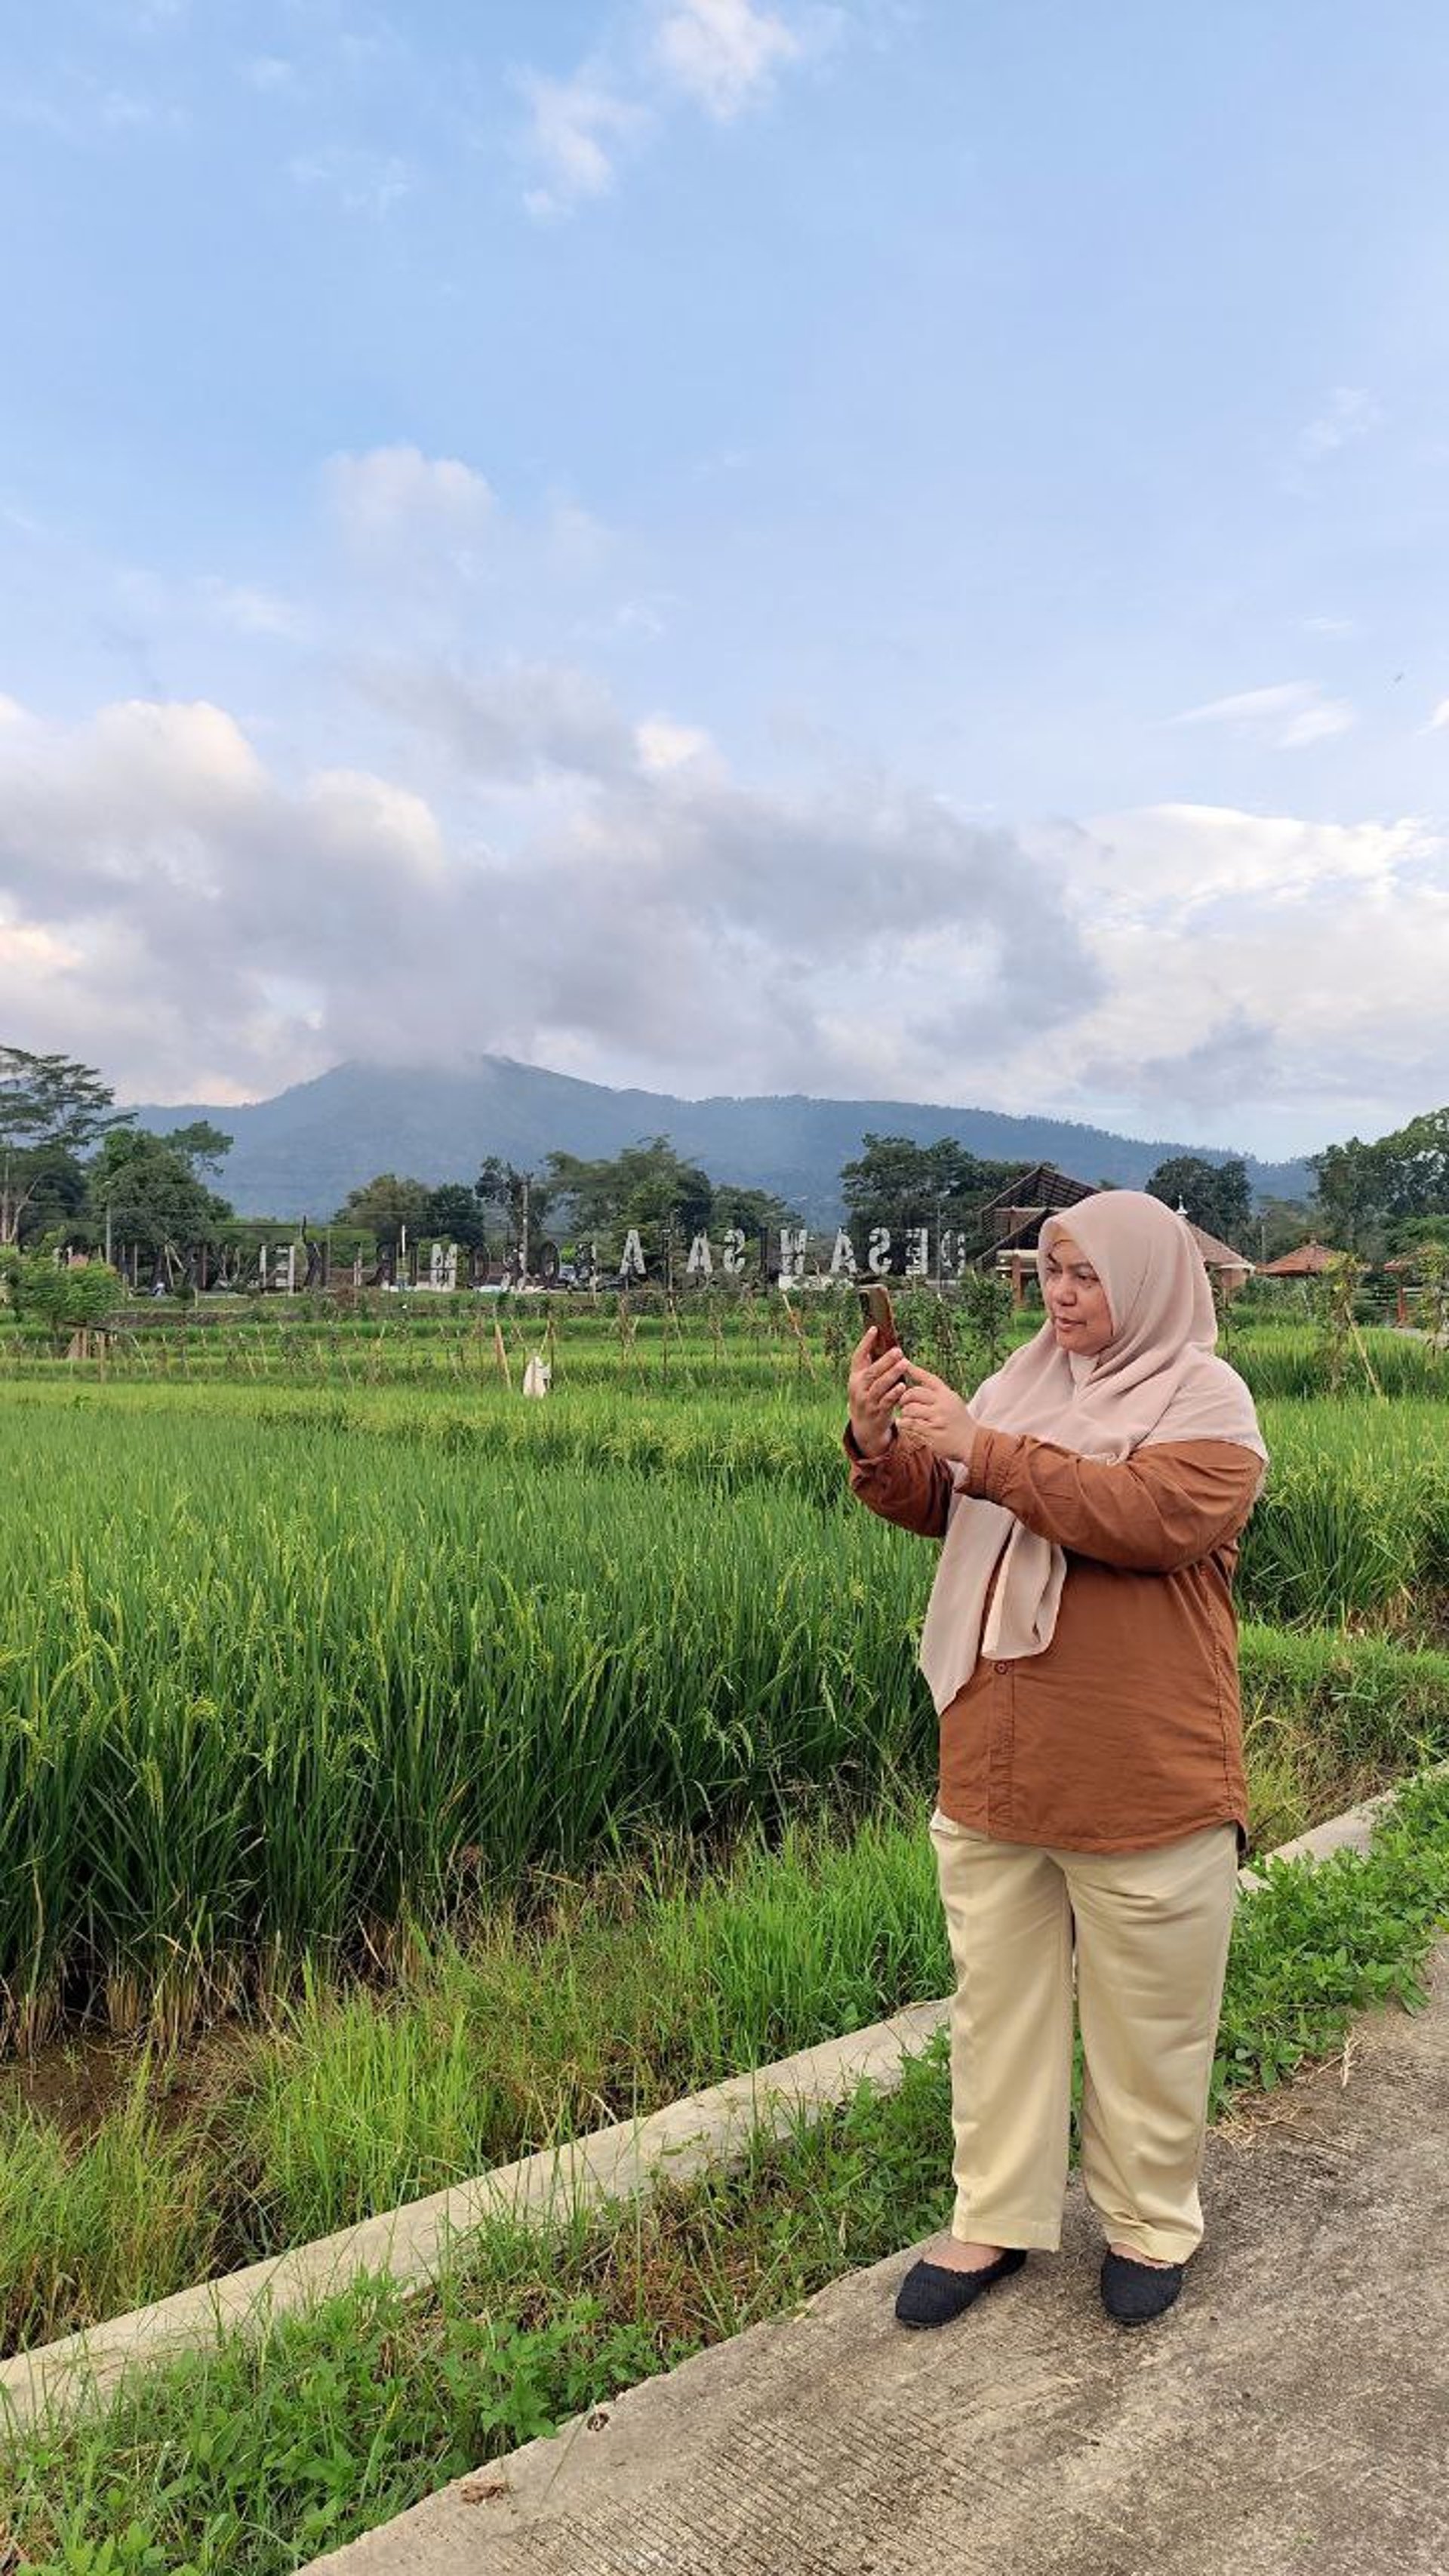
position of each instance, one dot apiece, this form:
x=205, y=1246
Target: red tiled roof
x=1308, y=1262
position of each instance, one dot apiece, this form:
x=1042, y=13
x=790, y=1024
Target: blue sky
x=885, y=547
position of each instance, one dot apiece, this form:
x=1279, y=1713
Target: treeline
x=74, y=1168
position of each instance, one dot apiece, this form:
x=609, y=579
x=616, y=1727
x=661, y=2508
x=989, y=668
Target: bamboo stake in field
x=805, y=1351
x=500, y=1350
x=1361, y=1346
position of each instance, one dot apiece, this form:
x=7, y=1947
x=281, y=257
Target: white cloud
x=188, y=916
x=1167, y=864
x=1440, y=716
x=1287, y=717
x=1336, y=628
x=577, y=128
x=354, y=811
x=1264, y=969
x=511, y=723
x=1350, y=413
x=720, y=55
x=723, y=53
x=396, y=492
x=35, y=953
x=592, y=888
x=663, y=745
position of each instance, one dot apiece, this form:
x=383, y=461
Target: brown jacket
x=1127, y=1731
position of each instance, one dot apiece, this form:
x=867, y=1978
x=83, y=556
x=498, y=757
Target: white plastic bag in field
x=537, y=1377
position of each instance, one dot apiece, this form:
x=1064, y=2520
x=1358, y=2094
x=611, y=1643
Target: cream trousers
x=1151, y=1937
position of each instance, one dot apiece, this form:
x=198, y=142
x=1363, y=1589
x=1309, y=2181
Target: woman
x=1081, y=1649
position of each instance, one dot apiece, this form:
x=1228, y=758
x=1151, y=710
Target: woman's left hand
x=935, y=1413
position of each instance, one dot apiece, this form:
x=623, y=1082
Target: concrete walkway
x=1292, y=2412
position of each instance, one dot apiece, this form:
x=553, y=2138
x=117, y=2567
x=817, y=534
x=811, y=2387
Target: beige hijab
x=1158, y=1379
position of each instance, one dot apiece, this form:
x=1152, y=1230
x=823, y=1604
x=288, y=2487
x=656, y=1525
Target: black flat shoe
x=933, y=2293
x=1134, y=2293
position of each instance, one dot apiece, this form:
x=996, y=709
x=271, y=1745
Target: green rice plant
x=1330, y=1719
x=1353, y=1522
x=272, y=1685
x=1295, y=1360
x=282, y=1703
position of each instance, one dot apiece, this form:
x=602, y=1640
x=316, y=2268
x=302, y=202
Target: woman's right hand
x=875, y=1385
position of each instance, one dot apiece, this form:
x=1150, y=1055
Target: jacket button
x=1003, y=1668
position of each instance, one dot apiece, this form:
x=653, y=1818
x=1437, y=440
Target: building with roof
x=1011, y=1223
x=1228, y=1270
x=1309, y=1261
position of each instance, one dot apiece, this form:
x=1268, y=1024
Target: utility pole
x=523, y=1232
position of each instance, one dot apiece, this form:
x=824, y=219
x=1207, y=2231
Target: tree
x=203, y=1146
x=1364, y=1187
x=898, y=1183
x=384, y=1205
x=1412, y=1233
x=753, y=1211
x=67, y=1299
x=524, y=1197
x=1280, y=1226
x=1216, y=1196
x=57, y=1195
x=648, y=1185
x=453, y=1215
x=146, y=1189
x=47, y=1102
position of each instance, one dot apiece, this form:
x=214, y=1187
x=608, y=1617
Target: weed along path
x=1291, y=2413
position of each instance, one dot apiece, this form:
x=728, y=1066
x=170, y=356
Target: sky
x=876, y=547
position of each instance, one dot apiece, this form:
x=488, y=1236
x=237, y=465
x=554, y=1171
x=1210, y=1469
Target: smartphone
x=875, y=1306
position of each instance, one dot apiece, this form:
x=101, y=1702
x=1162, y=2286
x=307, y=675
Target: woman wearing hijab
x=1081, y=1649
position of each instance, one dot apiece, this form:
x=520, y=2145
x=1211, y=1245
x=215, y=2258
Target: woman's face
x=1076, y=1299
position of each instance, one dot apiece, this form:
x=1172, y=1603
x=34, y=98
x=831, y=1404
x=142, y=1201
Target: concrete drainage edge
x=709, y=2128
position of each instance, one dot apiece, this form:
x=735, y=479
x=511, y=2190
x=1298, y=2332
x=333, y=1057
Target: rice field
x=350, y=1704
x=291, y=1670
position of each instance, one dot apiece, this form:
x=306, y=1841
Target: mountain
x=300, y=1153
